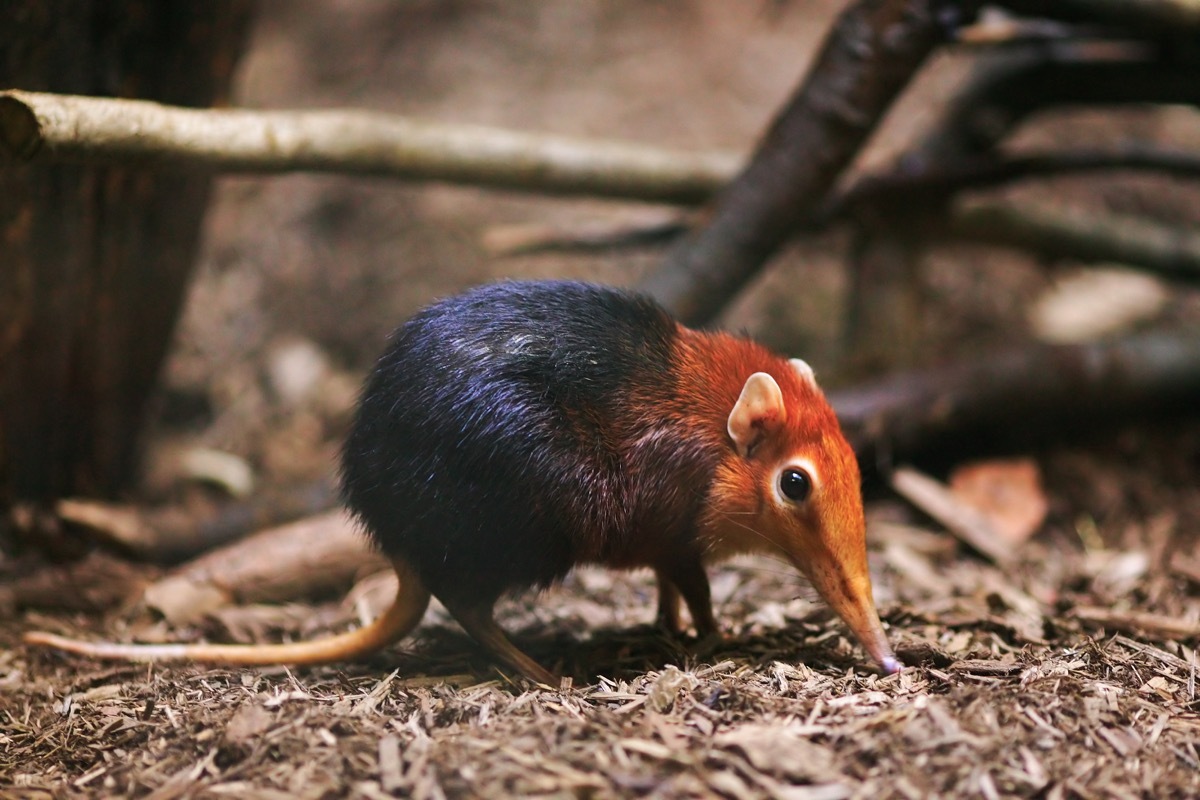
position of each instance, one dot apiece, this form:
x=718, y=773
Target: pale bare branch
x=97, y=130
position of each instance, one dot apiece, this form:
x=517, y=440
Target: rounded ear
x=758, y=412
x=804, y=371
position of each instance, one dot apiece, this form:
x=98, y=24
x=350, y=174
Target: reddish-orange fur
x=826, y=537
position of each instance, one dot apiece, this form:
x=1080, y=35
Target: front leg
x=668, y=605
x=685, y=576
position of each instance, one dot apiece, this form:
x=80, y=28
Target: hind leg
x=480, y=623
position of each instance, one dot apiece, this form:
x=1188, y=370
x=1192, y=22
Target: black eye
x=795, y=485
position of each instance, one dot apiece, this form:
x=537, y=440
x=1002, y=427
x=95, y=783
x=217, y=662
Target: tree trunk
x=94, y=261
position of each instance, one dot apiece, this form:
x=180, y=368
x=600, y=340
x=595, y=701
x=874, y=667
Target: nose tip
x=877, y=646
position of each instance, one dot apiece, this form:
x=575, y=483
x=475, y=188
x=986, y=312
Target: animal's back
x=486, y=449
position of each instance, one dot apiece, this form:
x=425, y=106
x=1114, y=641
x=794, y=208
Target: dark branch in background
x=1009, y=86
x=1170, y=251
x=780, y=187
x=938, y=183
x=894, y=226
x=871, y=54
x=1179, y=18
x=1043, y=386
x=881, y=324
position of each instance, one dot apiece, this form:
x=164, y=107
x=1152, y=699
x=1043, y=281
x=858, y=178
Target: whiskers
x=784, y=570
x=772, y=547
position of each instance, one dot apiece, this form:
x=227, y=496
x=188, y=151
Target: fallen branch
x=96, y=582
x=1019, y=393
x=318, y=555
x=173, y=534
x=1159, y=625
x=98, y=130
x=870, y=55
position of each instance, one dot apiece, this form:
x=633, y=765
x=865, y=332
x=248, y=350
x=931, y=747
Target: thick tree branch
x=38, y=126
x=1172, y=252
x=98, y=130
x=872, y=52
x=1009, y=86
x=1019, y=393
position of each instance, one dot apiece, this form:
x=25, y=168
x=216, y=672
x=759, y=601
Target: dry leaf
x=667, y=687
x=244, y=730
x=247, y=723
x=1008, y=492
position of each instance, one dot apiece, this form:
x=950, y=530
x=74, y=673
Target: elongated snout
x=846, y=587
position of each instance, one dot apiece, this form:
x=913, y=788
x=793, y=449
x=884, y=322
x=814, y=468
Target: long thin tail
x=405, y=613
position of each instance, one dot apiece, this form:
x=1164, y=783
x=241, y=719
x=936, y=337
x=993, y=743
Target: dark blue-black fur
x=483, y=450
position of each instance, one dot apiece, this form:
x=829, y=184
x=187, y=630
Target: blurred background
x=327, y=266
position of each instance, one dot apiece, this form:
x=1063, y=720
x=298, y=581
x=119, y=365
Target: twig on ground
x=1169, y=659
x=935, y=499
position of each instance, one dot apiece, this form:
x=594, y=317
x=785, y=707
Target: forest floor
x=1016, y=685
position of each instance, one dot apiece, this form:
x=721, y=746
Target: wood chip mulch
x=1070, y=673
